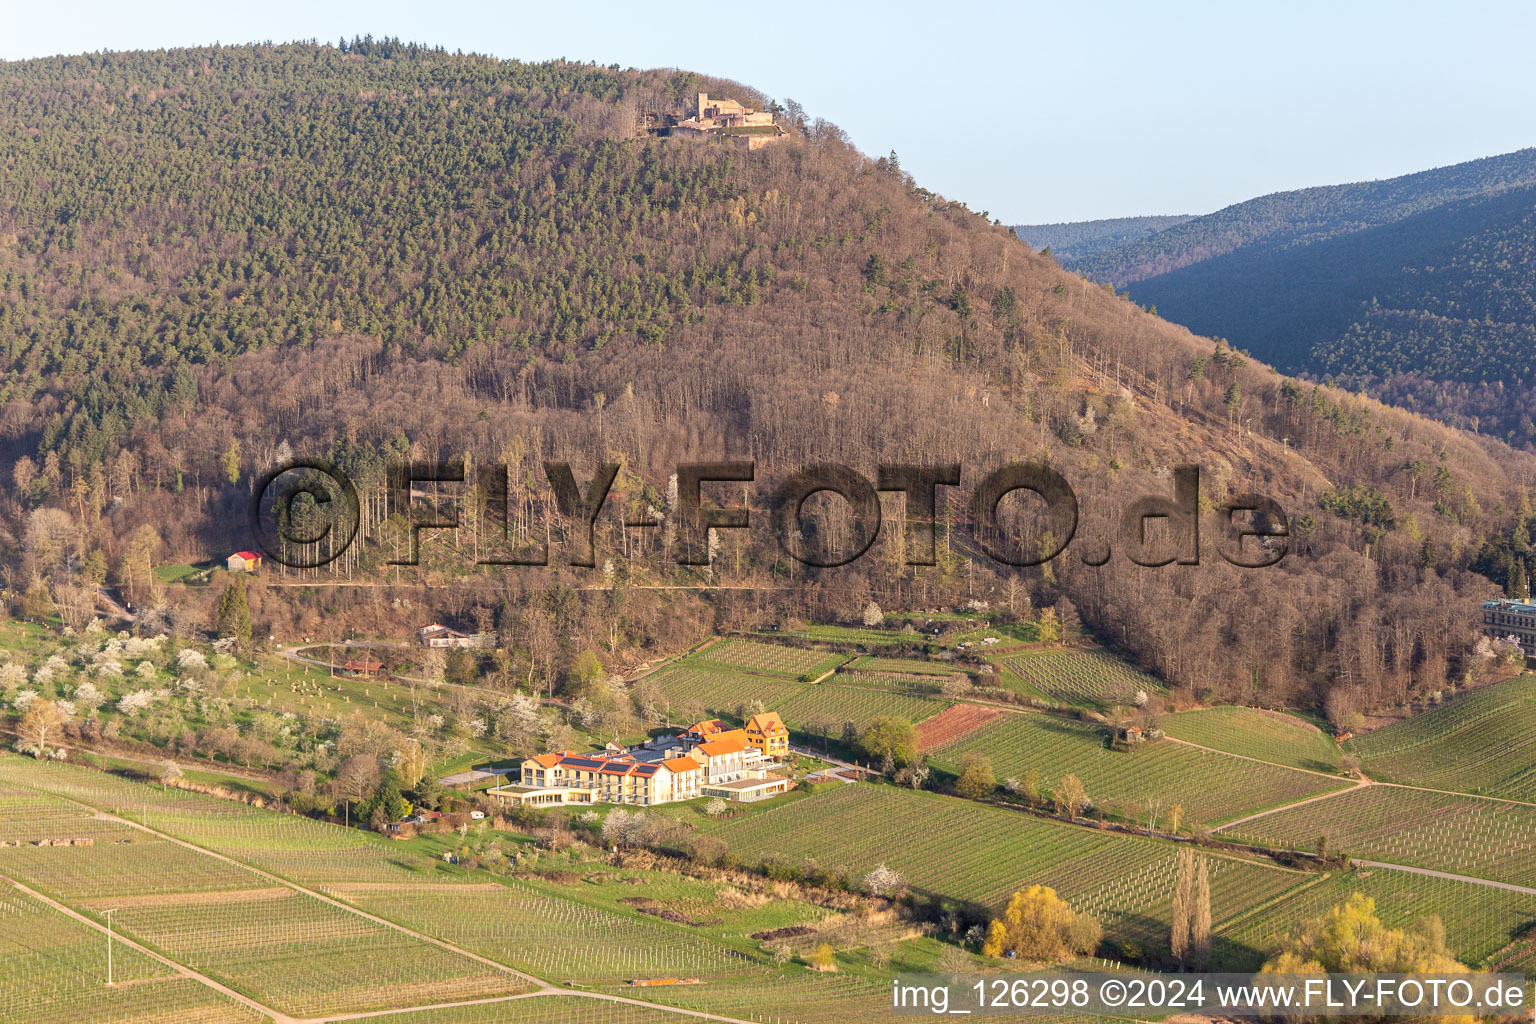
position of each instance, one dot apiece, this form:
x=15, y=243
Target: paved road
x=1473, y=879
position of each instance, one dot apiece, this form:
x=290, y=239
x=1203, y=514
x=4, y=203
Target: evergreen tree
x=234, y=615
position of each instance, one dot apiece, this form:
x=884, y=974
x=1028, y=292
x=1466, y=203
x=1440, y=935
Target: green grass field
x=1479, y=742
x=1087, y=678
x=1463, y=835
x=1211, y=787
x=1251, y=732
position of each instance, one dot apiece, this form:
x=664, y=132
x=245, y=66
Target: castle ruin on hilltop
x=715, y=118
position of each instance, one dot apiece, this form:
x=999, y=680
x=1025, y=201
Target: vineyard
x=806, y=998
x=1480, y=742
x=962, y=850
x=1211, y=787
x=912, y=666
x=1463, y=835
x=1263, y=735
x=713, y=691
x=553, y=937
x=891, y=681
x=852, y=635
x=303, y=956
x=1479, y=920
x=1085, y=678
x=771, y=659
x=841, y=704
x=540, y=1009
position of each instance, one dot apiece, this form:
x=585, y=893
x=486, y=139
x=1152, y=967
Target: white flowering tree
x=883, y=881
x=87, y=696
x=11, y=675
x=133, y=703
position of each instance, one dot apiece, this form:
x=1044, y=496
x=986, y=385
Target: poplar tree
x=1200, y=926
x=1183, y=896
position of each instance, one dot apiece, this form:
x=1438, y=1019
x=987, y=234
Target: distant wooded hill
x=1081, y=239
x=1419, y=289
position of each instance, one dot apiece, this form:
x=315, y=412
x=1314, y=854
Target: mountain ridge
x=379, y=253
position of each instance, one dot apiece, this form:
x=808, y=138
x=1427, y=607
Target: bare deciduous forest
x=212, y=258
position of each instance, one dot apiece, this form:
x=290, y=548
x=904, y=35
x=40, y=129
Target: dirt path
x=181, y=969
x=1255, y=760
x=1360, y=784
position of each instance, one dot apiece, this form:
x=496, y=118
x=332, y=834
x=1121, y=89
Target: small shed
x=362, y=667
x=243, y=561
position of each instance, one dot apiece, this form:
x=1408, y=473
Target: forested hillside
x=1418, y=289
x=212, y=257
x=1076, y=240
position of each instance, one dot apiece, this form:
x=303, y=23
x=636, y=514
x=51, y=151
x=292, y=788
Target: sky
x=1035, y=112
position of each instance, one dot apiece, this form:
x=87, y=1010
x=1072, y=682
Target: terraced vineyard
x=1084, y=678
x=1211, y=787
x=1479, y=920
x=966, y=851
x=1251, y=732
x=772, y=659
x=1480, y=742
x=1463, y=835
x=853, y=704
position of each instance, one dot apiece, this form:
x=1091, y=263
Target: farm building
x=361, y=667
x=438, y=635
x=243, y=561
